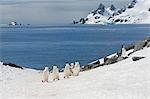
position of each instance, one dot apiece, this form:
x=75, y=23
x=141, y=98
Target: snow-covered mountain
x=137, y=11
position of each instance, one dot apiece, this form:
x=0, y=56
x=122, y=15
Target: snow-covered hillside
x=138, y=12
x=126, y=79
x=8, y=73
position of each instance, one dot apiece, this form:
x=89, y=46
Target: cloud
x=12, y=2
x=27, y=2
x=49, y=11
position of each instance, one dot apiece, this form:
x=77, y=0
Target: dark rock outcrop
x=74, y=22
x=148, y=44
x=120, y=11
x=132, y=4
x=140, y=45
x=125, y=20
x=97, y=17
x=147, y=38
x=112, y=8
x=110, y=17
x=92, y=66
x=82, y=21
x=137, y=58
x=123, y=9
x=117, y=20
x=111, y=60
x=89, y=67
x=12, y=65
x=129, y=47
x=120, y=58
x=101, y=9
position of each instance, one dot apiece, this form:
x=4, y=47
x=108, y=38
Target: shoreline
x=66, y=25
x=129, y=48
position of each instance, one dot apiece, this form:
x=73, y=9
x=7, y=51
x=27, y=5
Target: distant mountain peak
x=137, y=11
x=132, y=4
x=112, y=7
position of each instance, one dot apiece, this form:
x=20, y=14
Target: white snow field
x=126, y=79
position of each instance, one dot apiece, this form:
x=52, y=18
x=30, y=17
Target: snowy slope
x=138, y=12
x=10, y=73
x=122, y=80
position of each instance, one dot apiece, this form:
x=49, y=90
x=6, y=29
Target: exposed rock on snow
x=12, y=65
x=136, y=12
x=132, y=4
x=139, y=45
x=119, y=56
x=137, y=58
x=148, y=44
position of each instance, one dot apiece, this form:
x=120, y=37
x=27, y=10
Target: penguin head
x=54, y=67
x=77, y=63
x=72, y=64
x=46, y=68
x=67, y=64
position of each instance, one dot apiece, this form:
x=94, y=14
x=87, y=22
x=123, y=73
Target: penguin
x=55, y=73
x=76, y=69
x=45, y=74
x=67, y=71
x=123, y=52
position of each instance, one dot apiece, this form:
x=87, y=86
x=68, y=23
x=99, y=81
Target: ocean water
x=36, y=46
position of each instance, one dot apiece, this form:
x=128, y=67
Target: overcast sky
x=50, y=11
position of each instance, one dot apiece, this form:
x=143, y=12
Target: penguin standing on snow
x=67, y=71
x=45, y=75
x=76, y=69
x=123, y=52
x=55, y=73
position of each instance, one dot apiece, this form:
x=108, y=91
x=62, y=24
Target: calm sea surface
x=36, y=46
